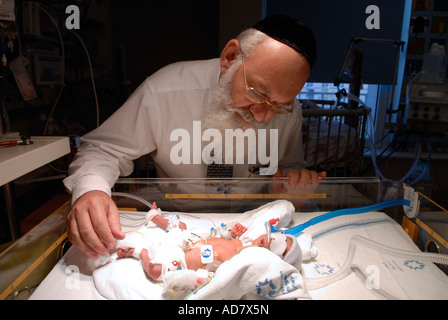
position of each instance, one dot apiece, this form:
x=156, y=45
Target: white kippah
x=278, y=244
x=295, y=253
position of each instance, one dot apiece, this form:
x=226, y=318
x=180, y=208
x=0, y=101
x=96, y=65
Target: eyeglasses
x=251, y=94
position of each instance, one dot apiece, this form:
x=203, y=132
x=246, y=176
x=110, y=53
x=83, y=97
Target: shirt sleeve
x=108, y=151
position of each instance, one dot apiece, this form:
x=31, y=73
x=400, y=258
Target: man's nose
x=260, y=111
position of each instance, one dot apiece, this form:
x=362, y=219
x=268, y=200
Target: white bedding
x=72, y=278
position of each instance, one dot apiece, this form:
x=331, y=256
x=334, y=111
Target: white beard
x=221, y=115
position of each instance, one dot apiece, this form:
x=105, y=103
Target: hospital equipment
x=24, y=140
x=229, y=200
x=427, y=107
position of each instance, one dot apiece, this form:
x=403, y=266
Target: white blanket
x=253, y=273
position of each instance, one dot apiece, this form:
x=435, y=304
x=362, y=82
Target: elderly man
x=252, y=86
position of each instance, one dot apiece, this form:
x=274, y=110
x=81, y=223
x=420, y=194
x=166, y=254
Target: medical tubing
x=319, y=233
x=372, y=145
x=426, y=165
x=268, y=232
x=132, y=196
x=316, y=283
x=418, y=153
x=297, y=230
x=371, y=134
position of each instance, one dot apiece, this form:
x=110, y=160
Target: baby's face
x=262, y=241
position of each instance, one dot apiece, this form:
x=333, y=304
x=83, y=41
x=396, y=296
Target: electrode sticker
x=206, y=254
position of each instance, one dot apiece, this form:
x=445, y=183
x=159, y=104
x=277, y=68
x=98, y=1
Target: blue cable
x=297, y=230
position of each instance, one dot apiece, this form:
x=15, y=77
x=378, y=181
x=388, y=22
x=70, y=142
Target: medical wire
x=149, y=204
x=91, y=76
x=132, y=196
x=50, y=116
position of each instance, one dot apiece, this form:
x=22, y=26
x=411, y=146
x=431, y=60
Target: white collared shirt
x=172, y=98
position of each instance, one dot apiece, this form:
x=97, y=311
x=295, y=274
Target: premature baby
x=183, y=260
x=221, y=249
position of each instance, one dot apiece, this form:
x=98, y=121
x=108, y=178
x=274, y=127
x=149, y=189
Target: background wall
x=335, y=23
x=152, y=34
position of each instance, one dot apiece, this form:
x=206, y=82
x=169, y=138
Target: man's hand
x=93, y=224
x=300, y=182
x=301, y=178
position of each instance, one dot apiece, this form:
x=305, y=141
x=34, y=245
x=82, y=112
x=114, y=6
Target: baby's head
x=283, y=245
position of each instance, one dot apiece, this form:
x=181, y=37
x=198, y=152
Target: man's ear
x=229, y=54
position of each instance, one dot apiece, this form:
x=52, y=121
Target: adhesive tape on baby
x=278, y=244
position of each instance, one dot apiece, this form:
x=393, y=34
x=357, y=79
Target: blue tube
x=297, y=230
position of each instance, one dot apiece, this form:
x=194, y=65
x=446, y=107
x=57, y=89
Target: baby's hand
x=238, y=230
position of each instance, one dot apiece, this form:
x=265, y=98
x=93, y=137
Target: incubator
x=351, y=221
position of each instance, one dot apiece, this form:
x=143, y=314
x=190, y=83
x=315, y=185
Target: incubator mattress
x=375, y=276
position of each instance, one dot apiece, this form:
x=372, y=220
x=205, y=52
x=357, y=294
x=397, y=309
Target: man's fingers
x=94, y=223
x=113, y=219
x=278, y=173
x=76, y=239
x=88, y=228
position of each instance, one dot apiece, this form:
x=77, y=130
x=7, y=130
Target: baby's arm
x=153, y=270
